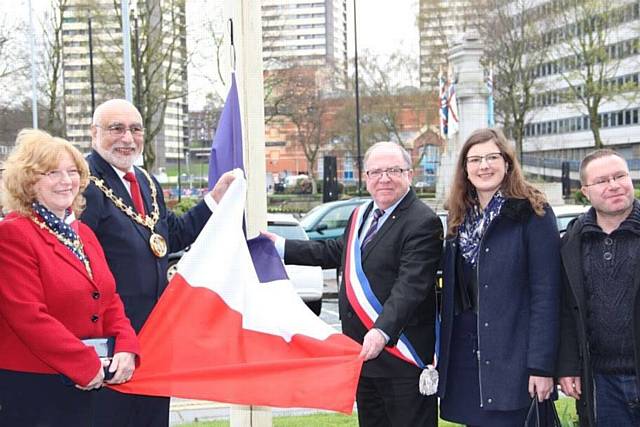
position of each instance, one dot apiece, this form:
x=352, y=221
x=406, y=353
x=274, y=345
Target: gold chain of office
x=76, y=244
x=157, y=243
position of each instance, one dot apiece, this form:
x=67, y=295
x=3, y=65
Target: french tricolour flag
x=231, y=328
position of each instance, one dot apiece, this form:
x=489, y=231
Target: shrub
x=580, y=198
x=184, y=205
x=303, y=186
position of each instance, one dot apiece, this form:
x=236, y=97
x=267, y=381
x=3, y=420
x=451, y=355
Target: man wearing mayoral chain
x=127, y=212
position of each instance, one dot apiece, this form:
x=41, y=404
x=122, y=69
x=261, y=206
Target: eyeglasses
x=118, y=131
x=604, y=180
x=476, y=161
x=57, y=174
x=391, y=172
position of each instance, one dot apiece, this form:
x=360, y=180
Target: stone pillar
x=472, y=94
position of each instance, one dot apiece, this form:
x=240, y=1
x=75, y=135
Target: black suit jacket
x=400, y=263
x=140, y=276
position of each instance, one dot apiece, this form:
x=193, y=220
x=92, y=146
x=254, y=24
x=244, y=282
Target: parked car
x=328, y=220
x=566, y=213
x=307, y=281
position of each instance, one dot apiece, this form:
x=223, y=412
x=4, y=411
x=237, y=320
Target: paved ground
x=330, y=284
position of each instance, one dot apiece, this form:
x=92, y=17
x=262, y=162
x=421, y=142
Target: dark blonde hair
x=36, y=152
x=463, y=195
x=597, y=154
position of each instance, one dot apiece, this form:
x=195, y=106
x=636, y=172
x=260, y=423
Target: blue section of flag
x=266, y=260
x=226, y=149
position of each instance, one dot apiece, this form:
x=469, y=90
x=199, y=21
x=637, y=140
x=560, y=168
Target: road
x=330, y=313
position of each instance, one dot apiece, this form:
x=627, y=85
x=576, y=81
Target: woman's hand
x=123, y=364
x=542, y=386
x=98, y=380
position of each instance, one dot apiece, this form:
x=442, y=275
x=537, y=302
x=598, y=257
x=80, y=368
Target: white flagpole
x=247, y=41
x=34, y=89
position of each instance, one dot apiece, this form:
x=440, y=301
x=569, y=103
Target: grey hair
x=405, y=154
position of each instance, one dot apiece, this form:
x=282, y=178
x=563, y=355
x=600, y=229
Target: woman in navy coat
x=500, y=307
x=55, y=290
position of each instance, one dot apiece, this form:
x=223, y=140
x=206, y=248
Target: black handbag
x=542, y=414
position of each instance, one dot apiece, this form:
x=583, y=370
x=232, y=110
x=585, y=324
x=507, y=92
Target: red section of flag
x=194, y=346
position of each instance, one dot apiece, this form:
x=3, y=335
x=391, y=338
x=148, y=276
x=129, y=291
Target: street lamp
x=359, y=157
x=179, y=149
x=91, y=79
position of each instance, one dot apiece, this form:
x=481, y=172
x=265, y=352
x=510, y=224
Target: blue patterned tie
x=373, y=228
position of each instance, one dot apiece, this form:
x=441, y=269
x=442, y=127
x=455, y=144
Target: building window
x=347, y=172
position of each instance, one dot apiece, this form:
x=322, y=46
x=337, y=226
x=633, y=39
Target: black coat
x=141, y=277
x=573, y=356
x=518, y=304
x=400, y=263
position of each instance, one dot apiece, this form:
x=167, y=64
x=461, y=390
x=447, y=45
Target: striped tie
x=373, y=228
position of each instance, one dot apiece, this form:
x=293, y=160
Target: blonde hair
x=462, y=195
x=36, y=152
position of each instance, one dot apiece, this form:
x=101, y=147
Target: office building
x=169, y=45
x=304, y=32
x=559, y=128
x=441, y=23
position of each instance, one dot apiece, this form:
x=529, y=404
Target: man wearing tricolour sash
x=390, y=253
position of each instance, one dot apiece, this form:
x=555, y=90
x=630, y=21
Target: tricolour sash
x=367, y=306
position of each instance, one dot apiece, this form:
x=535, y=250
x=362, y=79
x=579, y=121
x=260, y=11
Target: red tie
x=135, y=192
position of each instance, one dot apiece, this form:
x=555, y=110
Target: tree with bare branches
x=158, y=59
x=387, y=102
x=513, y=49
x=51, y=68
x=301, y=103
x=389, y=83
x=14, y=60
x=591, y=46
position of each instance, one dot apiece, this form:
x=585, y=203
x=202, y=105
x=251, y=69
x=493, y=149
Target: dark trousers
x=41, y=400
x=394, y=402
x=111, y=408
x=617, y=400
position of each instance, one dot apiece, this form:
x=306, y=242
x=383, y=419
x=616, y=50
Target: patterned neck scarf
x=474, y=226
x=60, y=227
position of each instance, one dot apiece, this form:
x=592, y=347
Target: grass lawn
x=565, y=407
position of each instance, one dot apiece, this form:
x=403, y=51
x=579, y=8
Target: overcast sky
x=383, y=27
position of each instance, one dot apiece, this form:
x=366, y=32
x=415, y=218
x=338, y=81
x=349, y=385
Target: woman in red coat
x=55, y=290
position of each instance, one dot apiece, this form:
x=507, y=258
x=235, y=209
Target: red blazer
x=48, y=303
